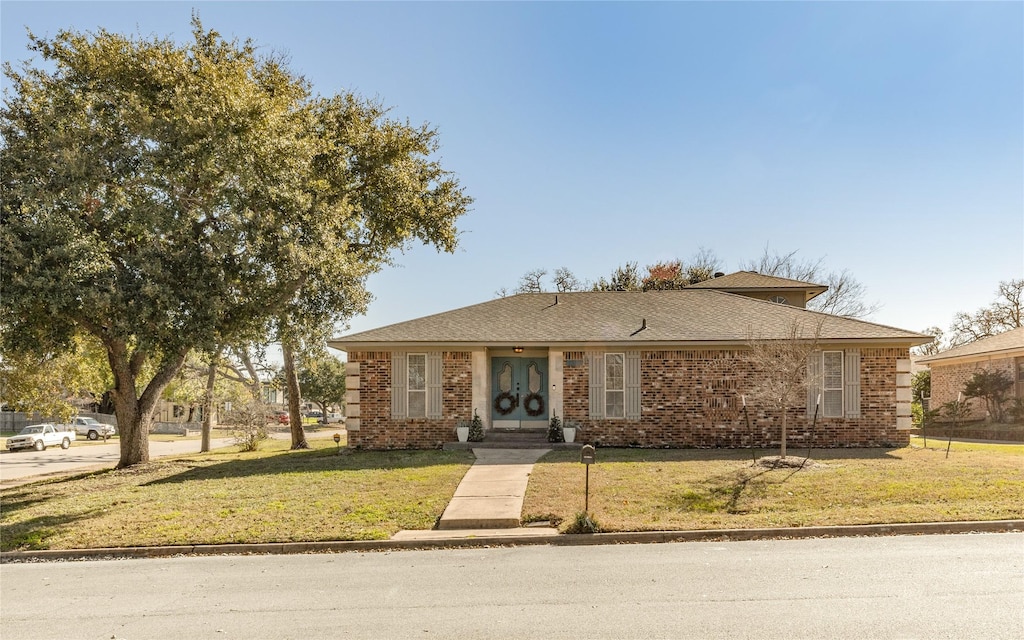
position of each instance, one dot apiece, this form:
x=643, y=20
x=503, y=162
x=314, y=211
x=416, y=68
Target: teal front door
x=519, y=392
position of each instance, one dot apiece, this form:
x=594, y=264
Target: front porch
x=512, y=439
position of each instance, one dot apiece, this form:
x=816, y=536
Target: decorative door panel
x=519, y=390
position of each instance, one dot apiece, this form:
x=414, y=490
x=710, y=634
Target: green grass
x=639, y=490
x=276, y=495
x=272, y=495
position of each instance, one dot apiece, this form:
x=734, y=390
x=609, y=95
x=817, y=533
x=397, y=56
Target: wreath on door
x=505, y=403
x=534, y=405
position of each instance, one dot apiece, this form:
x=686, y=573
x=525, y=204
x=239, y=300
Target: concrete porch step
x=512, y=439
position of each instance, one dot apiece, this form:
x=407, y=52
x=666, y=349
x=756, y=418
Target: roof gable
x=1007, y=341
x=751, y=281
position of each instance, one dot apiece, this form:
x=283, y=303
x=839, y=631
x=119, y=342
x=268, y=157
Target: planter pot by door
x=463, y=433
x=569, y=434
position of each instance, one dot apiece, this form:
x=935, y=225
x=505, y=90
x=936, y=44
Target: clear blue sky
x=887, y=138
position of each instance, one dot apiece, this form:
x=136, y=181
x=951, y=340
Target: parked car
x=40, y=436
x=92, y=428
x=316, y=414
x=333, y=418
x=281, y=417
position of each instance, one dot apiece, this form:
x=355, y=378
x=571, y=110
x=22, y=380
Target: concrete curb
x=441, y=542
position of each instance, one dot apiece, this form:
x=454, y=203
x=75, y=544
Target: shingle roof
x=683, y=316
x=1006, y=341
x=753, y=280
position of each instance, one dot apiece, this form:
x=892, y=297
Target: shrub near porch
x=649, y=490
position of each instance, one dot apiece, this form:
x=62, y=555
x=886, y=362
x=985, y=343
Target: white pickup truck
x=91, y=428
x=40, y=436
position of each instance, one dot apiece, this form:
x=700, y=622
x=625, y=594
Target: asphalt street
x=954, y=586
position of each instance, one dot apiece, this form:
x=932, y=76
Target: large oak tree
x=168, y=197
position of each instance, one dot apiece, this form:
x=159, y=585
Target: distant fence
x=15, y=421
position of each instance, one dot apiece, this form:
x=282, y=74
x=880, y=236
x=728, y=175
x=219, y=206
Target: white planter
x=463, y=433
x=569, y=434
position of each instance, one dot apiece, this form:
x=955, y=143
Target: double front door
x=519, y=392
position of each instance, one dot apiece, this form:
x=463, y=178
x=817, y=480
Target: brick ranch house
x=953, y=368
x=650, y=369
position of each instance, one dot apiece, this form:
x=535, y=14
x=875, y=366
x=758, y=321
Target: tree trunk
x=782, y=454
x=209, y=408
x=294, y=398
x=134, y=411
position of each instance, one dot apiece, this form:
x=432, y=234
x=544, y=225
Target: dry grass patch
x=272, y=495
x=641, y=490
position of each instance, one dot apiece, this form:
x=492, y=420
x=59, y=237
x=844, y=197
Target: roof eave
x=342, y=345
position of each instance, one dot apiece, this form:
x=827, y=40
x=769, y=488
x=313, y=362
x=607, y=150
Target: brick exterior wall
x=692, y=399
x=949, y=379
x=689, y=398
x=378, y=430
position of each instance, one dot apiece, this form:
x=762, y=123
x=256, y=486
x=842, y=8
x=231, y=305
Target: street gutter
x=457, y=539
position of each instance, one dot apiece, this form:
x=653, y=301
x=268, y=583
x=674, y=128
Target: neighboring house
x=953, y=368
x=651, y=369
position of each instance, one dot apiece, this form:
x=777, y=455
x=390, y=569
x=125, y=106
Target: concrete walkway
x=489, y=498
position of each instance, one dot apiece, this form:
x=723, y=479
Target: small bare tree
x=781, y=364
x=250, y=425
x=532, y=281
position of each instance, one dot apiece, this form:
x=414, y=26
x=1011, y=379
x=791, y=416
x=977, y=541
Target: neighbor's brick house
x=953, y=368
x=653, y=369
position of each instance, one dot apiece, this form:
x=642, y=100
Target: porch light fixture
x=517, y=349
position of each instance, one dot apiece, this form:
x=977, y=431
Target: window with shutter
x=399, y=380
x=851, y=383
x=417, y=385
x=615, y=385
x=813, y=383
x=595, y=366
x=832, y=384
x=435, y=368
x=633, y=409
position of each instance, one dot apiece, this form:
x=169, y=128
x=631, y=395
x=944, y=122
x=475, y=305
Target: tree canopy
x=166, y=197
x=322, y=380
x=846, y=296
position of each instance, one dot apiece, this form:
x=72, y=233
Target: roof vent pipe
x=643, y=325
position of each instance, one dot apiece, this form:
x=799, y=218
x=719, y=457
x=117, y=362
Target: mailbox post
x=337, y=442
x=587, y=457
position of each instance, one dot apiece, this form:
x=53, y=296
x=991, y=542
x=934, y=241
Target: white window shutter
x=813, y=383
x=434, y=375
x=399, y=382
x=851, y=383
x=632, y=385
x=596, y=365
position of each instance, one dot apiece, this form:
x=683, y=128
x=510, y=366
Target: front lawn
x=276, y=495
x=643, y=489
x=272, y=495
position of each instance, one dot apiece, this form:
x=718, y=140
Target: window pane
x=615, y=406
x=417, y=404
x=833, y=404
x=417, y=372
x=833, y=370
x=613, y=372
